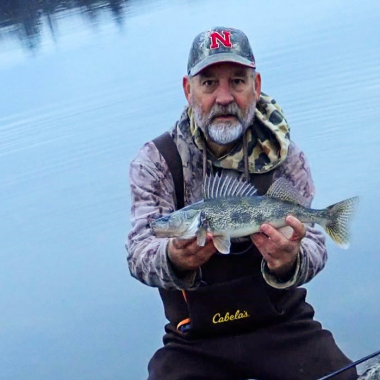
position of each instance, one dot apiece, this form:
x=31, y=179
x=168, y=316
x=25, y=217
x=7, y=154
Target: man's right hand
x=187, y=255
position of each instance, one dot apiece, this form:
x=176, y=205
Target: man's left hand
x=280, y=252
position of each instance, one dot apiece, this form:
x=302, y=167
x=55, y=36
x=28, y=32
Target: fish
x=231, y=208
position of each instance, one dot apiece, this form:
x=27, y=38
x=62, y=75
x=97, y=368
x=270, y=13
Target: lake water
x=83, y=85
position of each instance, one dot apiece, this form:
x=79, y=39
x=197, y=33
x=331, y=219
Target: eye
x=238, y=81
x=208, y=83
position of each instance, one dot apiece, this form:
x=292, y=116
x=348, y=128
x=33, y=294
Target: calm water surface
x=83, y=85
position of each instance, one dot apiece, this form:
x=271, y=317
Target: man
x=240, y=315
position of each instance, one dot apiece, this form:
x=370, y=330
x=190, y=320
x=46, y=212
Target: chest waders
x=233, y=296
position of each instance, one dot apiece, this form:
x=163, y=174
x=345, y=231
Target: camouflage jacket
x=153, y=195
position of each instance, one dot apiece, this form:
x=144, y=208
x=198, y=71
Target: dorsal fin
x=221, y=186
x=283, y=190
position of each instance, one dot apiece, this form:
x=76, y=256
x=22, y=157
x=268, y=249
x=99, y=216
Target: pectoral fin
x=222, y=243
x=287, y=231
x=201, y=236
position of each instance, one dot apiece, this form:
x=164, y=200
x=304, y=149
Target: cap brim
x=218, y=58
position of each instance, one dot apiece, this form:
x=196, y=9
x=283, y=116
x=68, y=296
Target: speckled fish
x=231, y=209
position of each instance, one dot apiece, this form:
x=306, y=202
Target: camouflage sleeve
x=313, y=255
x=152, y=192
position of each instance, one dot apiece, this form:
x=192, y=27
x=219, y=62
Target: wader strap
x=166, y=146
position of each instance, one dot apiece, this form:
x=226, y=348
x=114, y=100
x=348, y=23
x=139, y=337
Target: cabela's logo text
x=218, y=318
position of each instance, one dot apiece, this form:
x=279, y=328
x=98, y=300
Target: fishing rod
x=350, y=366
x=347, y=367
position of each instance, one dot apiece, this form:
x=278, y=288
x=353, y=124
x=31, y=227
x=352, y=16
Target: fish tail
x=339, y=219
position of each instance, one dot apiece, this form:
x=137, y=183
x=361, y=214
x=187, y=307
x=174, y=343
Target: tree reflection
x=24, y=20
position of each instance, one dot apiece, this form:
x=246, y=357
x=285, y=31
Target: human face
x=223, y=97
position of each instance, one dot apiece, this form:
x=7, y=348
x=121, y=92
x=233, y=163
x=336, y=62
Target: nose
x=224, y=96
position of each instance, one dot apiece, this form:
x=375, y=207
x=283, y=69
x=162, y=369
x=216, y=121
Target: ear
x=186, y=87
x=257, y=85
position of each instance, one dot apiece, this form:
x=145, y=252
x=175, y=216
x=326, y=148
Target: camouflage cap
x=219, y=44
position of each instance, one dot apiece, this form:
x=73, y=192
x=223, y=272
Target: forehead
x=225, y=68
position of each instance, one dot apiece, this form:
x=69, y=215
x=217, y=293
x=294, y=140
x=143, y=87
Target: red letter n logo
x=224, y=39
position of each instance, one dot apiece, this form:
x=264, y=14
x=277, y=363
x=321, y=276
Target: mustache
x=229, y=110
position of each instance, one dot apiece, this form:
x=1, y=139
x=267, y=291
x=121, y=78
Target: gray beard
x=227, y=132
x=224, y=134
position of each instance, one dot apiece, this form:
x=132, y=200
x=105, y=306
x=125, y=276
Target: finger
x=264, y=243
x=259, y=239
x=299, y=229
x=191, y=256
x=275, y=236
x=265, y=246
x=182, y=243
x=194, y=248
x=207, y=250
x=201, y=256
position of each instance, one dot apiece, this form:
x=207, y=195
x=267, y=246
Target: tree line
x=22, y=19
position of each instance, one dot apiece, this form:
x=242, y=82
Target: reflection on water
x=24, y=19
x=103, y=78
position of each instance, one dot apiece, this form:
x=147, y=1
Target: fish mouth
x=158, y=232
x=154, y=228
x=163, y=233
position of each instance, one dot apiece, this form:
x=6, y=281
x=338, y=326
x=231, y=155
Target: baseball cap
x=219, y=44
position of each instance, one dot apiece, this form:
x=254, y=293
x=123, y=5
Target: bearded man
x=241, y=315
